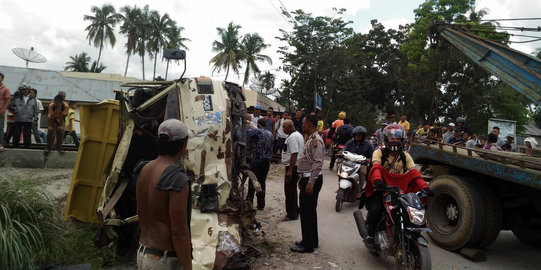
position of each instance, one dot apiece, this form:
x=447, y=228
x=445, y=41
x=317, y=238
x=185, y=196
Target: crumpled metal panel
x=211, y=236
x=207, y=148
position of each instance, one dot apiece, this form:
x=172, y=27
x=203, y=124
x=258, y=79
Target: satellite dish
x=29, y=55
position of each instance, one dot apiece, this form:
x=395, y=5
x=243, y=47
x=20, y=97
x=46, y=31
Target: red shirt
x=408, y=182
x=4, y=96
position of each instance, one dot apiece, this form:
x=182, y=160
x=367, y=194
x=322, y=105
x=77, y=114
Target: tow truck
x=478, y=193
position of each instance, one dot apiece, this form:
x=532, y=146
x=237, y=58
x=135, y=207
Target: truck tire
x=455, y=213
x=493, y=214
x=526, y=227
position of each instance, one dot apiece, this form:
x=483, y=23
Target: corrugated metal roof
x=84, y=87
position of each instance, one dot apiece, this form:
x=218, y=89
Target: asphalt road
x=339, y=238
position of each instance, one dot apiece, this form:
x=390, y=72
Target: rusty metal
x=476, y=164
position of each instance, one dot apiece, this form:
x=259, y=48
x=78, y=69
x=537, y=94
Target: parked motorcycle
x=348, y=178
x=399, y=230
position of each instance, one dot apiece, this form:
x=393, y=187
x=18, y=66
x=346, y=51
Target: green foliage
x=229, y=49
x=31, y=225
x=32, y=232
x=253, y=45
x=78, y=63
x=101, y=27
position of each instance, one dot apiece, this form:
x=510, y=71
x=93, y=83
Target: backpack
x=343, y=134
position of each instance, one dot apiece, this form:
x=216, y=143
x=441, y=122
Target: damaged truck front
x=216, y=113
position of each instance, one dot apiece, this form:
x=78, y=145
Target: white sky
x=56, y=28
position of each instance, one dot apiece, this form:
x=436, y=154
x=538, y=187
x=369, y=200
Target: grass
x=33, y=233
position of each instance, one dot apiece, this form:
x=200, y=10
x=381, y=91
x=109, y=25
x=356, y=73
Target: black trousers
x=26, y=128
x=374, y=205
x=290, y=191
x=260, y=169
x=308, y=211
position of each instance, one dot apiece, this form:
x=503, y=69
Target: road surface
x=340, y=240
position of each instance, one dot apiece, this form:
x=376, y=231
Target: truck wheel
x=493, y=214
x=527, y=228
x=455, y=214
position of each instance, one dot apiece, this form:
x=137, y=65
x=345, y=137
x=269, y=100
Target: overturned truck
x=216, y=113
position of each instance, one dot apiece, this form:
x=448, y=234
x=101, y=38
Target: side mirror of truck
x=174, y=54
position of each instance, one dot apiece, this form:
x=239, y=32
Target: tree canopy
x=386, y=71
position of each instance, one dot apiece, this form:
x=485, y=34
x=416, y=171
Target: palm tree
x=95, y=68
x=131, y=29
x=253, y=45
x=229, y=49
x=175, y=41
x=267, y=80
x=101, y=27
x=160, y=28
x=141, y=46
x=78, y=63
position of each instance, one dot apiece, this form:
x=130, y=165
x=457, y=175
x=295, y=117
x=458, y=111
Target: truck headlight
x=417, y=216
x=344, y=175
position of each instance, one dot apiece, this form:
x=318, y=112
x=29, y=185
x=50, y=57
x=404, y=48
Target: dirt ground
x=275, y=240
x=54, y=181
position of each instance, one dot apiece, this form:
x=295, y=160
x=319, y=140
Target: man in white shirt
x=279, y=134
x=35, y=131
x=255, y=116
x=447, y=136
x=292, y=147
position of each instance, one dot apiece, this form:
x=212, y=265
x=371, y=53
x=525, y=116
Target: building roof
x=79, y=86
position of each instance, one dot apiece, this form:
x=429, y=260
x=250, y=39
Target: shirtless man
x=163, y=203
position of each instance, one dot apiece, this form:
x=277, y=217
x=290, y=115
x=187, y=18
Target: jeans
x=26, y=128
x=260, y=169
x=374, y=205
x=73, y=135
x=308, y=211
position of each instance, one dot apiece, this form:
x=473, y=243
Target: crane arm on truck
x=519, y=70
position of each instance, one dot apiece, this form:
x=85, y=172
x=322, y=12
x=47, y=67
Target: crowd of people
x=22, y=112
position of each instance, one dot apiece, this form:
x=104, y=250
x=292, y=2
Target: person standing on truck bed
x=163, y=203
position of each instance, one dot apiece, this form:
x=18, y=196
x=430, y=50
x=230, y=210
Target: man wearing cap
x=5, y=99
x=447, y=136
x=255, y=116
x=309, y=165
x=26, y=114
x=163, y=203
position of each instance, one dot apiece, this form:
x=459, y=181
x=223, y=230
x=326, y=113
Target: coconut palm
x=141, y=46
x=175, y=41
x=102, y=23
x=78, y=63
x=131, y=29
x=95, y=68
x=267, y=80
x=160, y=28
x=229, y=50
x=253, y=45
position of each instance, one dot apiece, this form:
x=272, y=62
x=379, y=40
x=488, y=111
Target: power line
x=281, y=15
x=287, y=11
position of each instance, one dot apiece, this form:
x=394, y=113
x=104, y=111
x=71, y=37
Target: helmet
x=359, y=130
x=342, y=115
x=460, y=119
x=394, y=131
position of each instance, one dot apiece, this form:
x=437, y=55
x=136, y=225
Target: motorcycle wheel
x=418, y=257
x=339, y=200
